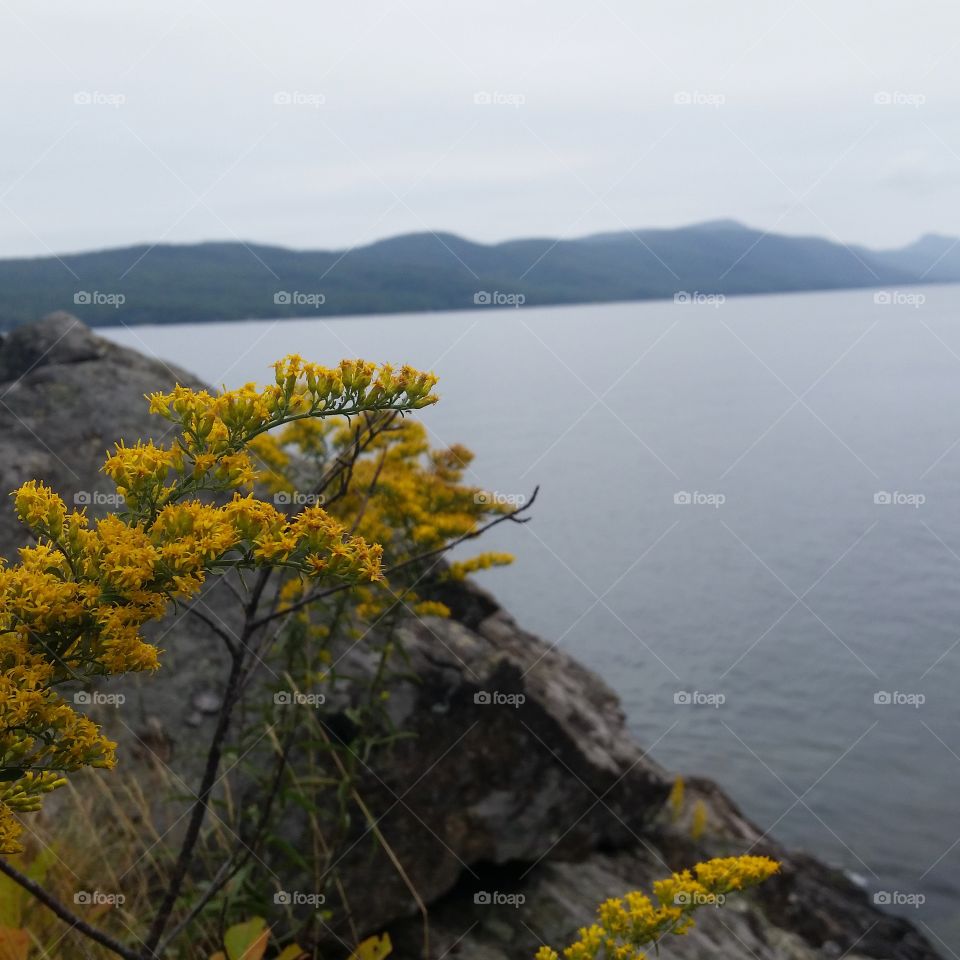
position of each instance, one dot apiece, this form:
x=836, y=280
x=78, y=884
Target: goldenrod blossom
x=633, y=921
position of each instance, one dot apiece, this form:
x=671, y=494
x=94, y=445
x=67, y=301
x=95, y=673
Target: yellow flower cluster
x=403, y=495
x=633, y=921
x=482, y=561
x=76, y=603
x=420, y=503
x=431, y=608
x=216, y=430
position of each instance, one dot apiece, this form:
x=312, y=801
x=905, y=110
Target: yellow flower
x=40, y=508
x=431, y=608
x=633, y=921
x=483, y=561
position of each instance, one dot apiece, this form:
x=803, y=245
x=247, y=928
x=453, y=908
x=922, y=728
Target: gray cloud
x=309, y=125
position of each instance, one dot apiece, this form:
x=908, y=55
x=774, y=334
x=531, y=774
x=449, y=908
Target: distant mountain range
x=427, y=271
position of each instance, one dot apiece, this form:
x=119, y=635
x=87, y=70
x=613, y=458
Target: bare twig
x=240, y=855
x=366, y=497
x=199, y=810
x=513, y=516
x=214, y=626
x=343, y=465
x=68, y=917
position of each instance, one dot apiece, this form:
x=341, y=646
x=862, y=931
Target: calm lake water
x=814, y=571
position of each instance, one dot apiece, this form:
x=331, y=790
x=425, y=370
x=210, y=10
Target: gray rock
x=527, y=761
x=206, y=701
x=66, y=396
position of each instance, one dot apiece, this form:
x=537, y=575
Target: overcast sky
x=321, y=125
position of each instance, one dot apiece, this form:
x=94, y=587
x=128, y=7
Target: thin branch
x=366, y=497
x=239, y=596
x=329, y=591
x=68, y=917
x=511, y=517
x=217, y=882
x=215, y=627
x=254, y=601
x=343, y=466
x=199, y=811
x=231, y=866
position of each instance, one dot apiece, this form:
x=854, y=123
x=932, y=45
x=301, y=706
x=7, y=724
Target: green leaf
x=11, y=902
x=247, y=941
x=293, y=952
x=287, y=848
x=41, y=865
